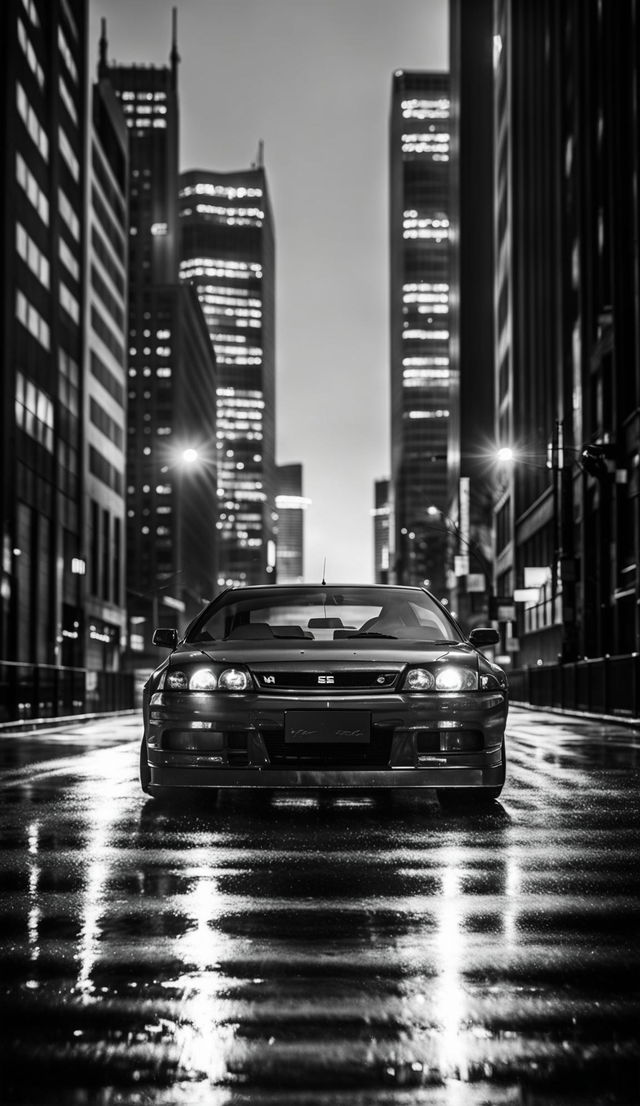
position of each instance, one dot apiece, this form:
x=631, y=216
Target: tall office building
x=381, y=532
x=104, y=402
x=227, y=252
x=171, y=463
x=567, y=350
x=291, y=505
x=471, y=430
x=43, y=52
x=420, y=376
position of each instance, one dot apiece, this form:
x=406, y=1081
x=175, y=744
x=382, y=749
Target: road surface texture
x=317, y=949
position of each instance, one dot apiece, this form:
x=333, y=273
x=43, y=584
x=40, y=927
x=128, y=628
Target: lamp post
x=594, y=460
x=470, y=545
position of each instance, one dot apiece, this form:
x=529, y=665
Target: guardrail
x=599, y=685
x=48, y=691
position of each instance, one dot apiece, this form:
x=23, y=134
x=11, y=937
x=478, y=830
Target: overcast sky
x=312, y=78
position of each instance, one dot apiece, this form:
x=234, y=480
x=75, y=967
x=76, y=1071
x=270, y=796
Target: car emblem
x=326, y=680
x=382, y=679
x=269, y=680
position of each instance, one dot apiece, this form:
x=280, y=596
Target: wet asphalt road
x=321, y=949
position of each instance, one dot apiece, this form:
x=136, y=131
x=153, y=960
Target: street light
x=472, y=547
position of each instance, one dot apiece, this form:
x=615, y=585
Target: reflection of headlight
x=205, y=679
x=456, y=679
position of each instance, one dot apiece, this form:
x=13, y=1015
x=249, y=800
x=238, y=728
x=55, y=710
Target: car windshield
x=323, y=613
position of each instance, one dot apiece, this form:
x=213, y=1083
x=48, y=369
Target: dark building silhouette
x=381, y=515
x=291, y=505
x=44, y=551
x=420, y=373
x=104, y=402
x=171, y=457
x=568, y=329
x=228, y=254
x=472, y=431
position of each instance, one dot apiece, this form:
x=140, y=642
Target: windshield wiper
x=371, y=633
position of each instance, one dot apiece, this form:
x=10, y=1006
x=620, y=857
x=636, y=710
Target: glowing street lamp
x=190, y=456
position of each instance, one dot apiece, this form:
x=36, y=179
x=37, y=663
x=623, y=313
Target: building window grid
x=68, y=214
x=32, y=320
x=37, y=198
x=32, y=255
x=30, y=119
x=67, y=56
x=30, y=53
x=68, y=155
x=34, y=411
x=67, y=100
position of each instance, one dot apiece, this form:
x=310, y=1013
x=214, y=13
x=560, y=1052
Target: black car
x=330, y=686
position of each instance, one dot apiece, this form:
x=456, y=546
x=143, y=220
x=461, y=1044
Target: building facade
x=104, y=401
x=380, y=513
x=228, y=254
x=420, y=373
x=171, y=423
x=472, y=447
x=567, y=349
x=43, y=192
x=291, y=505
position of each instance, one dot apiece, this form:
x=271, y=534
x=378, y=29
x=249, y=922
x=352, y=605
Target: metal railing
x=48, y=691
x=599, y=685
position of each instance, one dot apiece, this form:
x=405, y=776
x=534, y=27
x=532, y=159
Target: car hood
x=321, y=654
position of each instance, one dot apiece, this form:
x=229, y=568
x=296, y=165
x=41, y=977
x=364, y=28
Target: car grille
x=363, y=679
x=375, y=754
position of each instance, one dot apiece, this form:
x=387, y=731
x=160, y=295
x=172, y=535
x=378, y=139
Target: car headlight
x=456, y=679
x=450, y=678
x=419, y=679
x=233, y=679
x=199, y=678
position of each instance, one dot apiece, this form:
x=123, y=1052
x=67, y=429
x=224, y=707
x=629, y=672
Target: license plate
x=330, y=727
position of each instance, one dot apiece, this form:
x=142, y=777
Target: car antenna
x=324, y=572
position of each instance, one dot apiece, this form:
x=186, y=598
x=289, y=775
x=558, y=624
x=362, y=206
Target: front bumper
x=435, y=740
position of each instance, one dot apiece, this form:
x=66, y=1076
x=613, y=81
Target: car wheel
x=473, y=796
x=467, y=796
x=145, y=774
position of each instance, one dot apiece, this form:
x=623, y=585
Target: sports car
x=325, y=686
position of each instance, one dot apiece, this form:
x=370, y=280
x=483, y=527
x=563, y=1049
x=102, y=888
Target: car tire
x=145, y=774
x=467, y=796
x=473, y=796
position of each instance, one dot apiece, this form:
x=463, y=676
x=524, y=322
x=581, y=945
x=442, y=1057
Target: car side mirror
x=165, y=637
x=484, y=635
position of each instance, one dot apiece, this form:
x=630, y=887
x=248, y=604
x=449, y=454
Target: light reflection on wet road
x=321, y=949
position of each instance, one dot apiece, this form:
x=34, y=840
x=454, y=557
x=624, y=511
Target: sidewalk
x=614, y=719
x=37, y=725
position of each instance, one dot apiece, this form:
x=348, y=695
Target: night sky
x=312, y=79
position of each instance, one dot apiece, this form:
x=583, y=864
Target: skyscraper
x=104, y=402
x=228, y=253
x=381, y=532
x=567, y=346
x=420, y=377
x=291, y=505
x=171, y=461
x=472, y=430
x=43, y=56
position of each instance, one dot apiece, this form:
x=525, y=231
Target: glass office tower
x=227, y=252
x=43, y=52
x=420, y=379
x=171, y=501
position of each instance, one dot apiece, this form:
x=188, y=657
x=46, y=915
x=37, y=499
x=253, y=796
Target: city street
x=321, y=948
